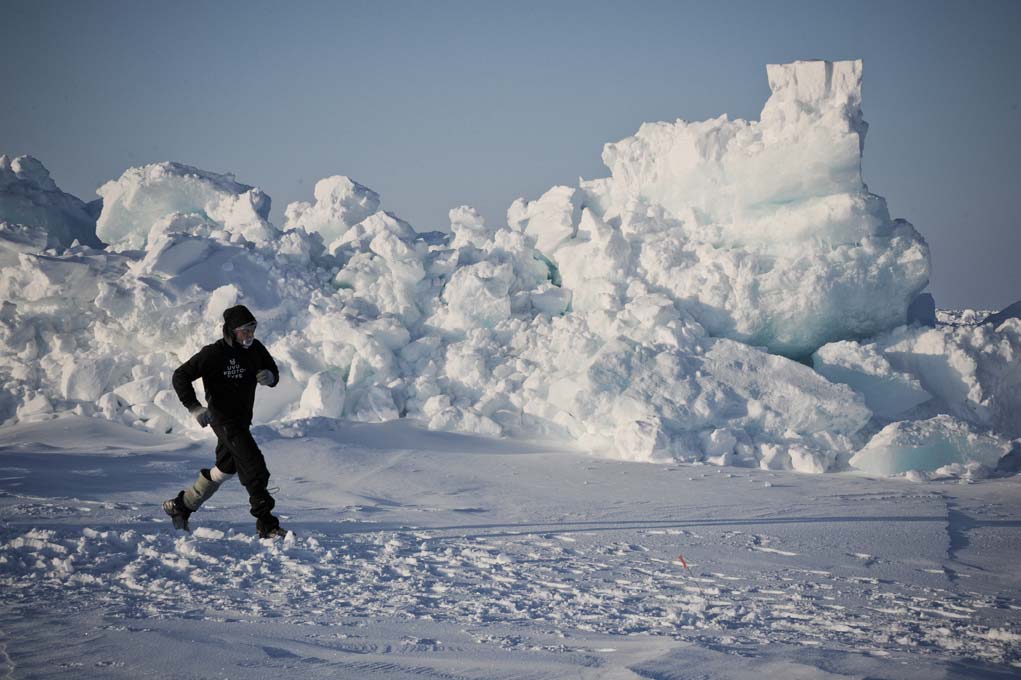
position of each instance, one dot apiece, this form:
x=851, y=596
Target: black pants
x=236, y=451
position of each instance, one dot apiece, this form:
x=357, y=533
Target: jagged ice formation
x=652, y=314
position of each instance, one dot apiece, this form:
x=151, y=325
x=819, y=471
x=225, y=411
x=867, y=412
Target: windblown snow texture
x=432, y=554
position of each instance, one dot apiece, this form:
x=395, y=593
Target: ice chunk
x=35, y=407
x=151, y=418
x=340, y=203
x=922, y=311
x=1010, y=464
x=643, y=401
x=718, y=446
x=385, y=268
x=1012, y=311
x=29, y=196
x=39, y=278
x=174, y=254
x=166, y=400
x=595, y=267
x=299, y=247
x=142, y=196
x=85, y=379
x=764, y=231
x=774, y=457
x=812, y=461
x=971, y=370
x=323, y=396
x=469, y=228
x=374, y=405
x=94, y=208
x=372, y=226
x=551, y=220
x=928, y=445
x=807, y=92
x=641, y=440
x=785, y=393
x=16, y=239
x=478, y=295
x=110, y=406
x=141, y=391
x=550, y=299
x=186, y=261
x=865, y=370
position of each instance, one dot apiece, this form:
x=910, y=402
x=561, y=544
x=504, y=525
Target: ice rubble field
x=732, y=295
x=670, y=311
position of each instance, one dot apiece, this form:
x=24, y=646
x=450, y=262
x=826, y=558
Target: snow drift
x=647, y=315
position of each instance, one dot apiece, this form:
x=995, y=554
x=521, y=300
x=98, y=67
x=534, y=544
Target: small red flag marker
x=691, y=576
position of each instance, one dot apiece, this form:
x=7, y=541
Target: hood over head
x=235, y=317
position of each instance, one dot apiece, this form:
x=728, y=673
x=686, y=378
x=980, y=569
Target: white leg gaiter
x=218, y=475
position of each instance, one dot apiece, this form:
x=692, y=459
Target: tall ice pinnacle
x=764, y=231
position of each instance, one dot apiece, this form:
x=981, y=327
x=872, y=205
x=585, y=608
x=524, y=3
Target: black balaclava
x=233, y=318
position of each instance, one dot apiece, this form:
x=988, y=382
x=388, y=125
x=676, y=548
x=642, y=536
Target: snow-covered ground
x=429, y=554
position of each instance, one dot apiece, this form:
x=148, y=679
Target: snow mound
x=649, y=315
x=30, y=197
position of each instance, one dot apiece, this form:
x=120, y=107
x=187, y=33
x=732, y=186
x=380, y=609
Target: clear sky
x=439, y=104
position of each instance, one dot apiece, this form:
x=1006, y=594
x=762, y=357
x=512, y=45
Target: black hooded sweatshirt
x=228, y=376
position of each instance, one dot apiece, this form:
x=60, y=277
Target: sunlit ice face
x=245, y=335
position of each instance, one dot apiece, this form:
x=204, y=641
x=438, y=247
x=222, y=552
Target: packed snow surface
x=420, y=554
x=660, y=313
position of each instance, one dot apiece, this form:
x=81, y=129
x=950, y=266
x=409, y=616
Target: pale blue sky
x=438, y=104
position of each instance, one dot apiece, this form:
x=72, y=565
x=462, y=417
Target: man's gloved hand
x=265, y=377
x=201, y=415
